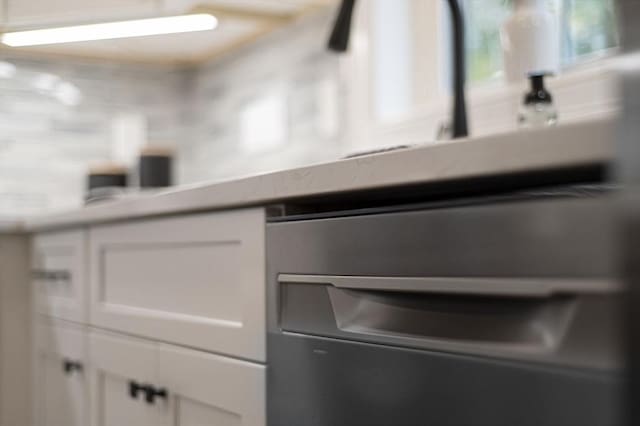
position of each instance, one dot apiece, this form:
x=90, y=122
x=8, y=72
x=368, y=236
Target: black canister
x=107, y=176
x=155, y=167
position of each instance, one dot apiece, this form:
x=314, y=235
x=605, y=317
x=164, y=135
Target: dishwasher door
x=497, y=315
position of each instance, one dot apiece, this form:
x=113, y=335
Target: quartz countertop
x=560, y=147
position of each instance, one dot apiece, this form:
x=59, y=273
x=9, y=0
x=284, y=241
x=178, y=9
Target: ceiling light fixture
x=111, y=30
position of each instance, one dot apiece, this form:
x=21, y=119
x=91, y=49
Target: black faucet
x=339, y=42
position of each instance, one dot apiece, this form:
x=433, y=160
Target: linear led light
x=111, y=30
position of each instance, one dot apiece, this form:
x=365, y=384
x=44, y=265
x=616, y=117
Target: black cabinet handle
x=51, y=275
x=153, y=393
x=150, y=392
x=70, y=366
x=135, y=388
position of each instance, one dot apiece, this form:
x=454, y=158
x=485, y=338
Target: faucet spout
x=339, y=42
x=459, y=126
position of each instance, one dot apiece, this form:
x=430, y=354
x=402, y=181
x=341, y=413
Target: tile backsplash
x=47, y=140
x=274, y=104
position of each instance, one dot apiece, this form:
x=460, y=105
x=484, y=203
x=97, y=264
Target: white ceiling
x=263, y=6
x=241, y=21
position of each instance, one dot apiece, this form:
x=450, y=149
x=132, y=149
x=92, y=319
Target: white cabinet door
x=207, y=389
x=197, y=280
x=42, y=13
x=61, y=383
x=58, y=267
x=121, y=367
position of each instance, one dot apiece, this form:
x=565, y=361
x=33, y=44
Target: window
x=591, y=28
x=393, y=61
x=587, y=27
x=484, y=54
x=404, y=55
x=400, y=85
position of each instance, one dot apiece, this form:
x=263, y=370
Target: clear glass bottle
x=537, y=108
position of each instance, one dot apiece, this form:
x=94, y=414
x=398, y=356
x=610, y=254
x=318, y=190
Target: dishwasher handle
x=517, y=318
x=470, y=286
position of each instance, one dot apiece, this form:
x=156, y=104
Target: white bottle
x=530, y=41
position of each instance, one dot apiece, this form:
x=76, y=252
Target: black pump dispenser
x=537, y=108
x=538, y=94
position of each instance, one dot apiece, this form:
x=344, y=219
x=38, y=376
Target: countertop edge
x=564, y=146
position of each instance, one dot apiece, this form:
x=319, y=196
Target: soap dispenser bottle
x=537, y=108
x=530, y=40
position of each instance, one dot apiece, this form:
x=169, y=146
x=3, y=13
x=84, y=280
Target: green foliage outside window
x=587, y=27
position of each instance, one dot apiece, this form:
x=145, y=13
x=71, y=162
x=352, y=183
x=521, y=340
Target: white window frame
x=582, y=92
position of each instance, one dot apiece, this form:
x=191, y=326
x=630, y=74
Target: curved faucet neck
x=339, y=42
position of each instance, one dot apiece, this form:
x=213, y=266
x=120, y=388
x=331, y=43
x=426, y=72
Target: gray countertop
x=559, y=147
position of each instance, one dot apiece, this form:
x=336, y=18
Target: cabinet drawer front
x=58, y=268
x=210, y=389
x=195, y=280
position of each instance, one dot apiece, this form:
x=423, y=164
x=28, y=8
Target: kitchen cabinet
x=159, y=322
x=60, y=380
x=38, y=13
x=121, y=366
x=145, y=383
x=194, y=280
x=58, y=268
x=211, y=389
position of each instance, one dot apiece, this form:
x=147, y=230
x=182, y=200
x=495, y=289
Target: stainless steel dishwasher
x=498, y=314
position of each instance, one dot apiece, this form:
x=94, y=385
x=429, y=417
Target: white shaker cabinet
x=120, y=368
x=58, y=262
x=196, y=280
x=207, y=389
x=60, y=376
x=160, y=322
x=145, y=383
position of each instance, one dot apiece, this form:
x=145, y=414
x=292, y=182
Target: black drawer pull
x=135, y=388
x=153, y=393
x=70, y=366
x=150, y=392
x=51, y=275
